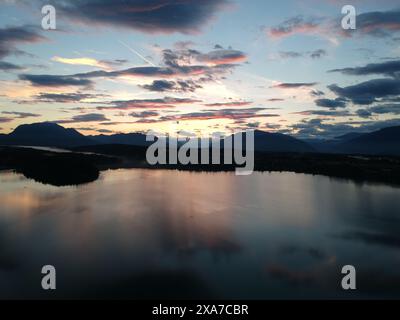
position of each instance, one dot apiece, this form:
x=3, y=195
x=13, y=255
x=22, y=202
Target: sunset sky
x=204, y=66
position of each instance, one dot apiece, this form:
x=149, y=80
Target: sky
x=114, y=66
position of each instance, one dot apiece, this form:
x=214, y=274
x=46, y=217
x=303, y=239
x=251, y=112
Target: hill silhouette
x=47, y=134
x=382, y=142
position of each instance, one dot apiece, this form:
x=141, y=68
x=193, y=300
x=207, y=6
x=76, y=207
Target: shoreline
x=74, y=168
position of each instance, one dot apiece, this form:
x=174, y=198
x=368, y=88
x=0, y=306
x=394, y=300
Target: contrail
x=137, y=53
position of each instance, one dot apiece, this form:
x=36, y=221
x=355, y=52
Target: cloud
x=330, y=113
x=5, y=120
x=222, y=57
x=379, y=23
x=10, y=37
x=65, y=97
x=363, y=113
x=164, y=103
x=90, y=117
x=317, y=93
x=54, y=80
x=389, y=68
x=276, y=100
x=316, y=54
x=150, y=16
x=332, y=104
x=6, y=66
x=21, y=115
x=144, y=114
x=174, y=86
x=294, y=85
x=295, y=25
x=317, y=128
x=230, y=104
x=290, y=54
x=367, y=92
x=379, y=109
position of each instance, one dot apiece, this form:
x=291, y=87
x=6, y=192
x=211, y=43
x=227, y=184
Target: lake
x=167, y=234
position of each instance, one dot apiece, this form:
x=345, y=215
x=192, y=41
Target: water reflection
x=167, y=234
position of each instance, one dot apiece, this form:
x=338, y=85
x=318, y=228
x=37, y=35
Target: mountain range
x=382, y=142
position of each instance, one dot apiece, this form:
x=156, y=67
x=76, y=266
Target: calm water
x=167, y=234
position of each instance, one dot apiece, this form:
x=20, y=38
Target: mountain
x=349, y=136
x=135, y=139
x=278, y=142
x=384, y=142
x=46, y=134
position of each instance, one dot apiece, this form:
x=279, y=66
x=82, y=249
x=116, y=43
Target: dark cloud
x=54, y=80
x=379, y=109
x=276, y=100
x=6, y=66
x=369, y=91
x=21, y=115
x=389, y=68
x=316, y=54
x=290, y=54
x=317, y=128
x=294, y=85
x=104, y=131
x=331, y=103
x=379, y=23
x=144, y=114
x=229, y=104
x=363, y=113
x=90, y=117
x=151, y=16
x=331, y=113
x=160, y=85
x=317, y=93
x=65, y=97
x=174, y=86
x=10, y=37
x=5, y=120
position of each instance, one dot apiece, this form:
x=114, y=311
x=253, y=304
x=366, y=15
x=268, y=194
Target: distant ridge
x=278, y=142
x=382, y=142
x=135, y=139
